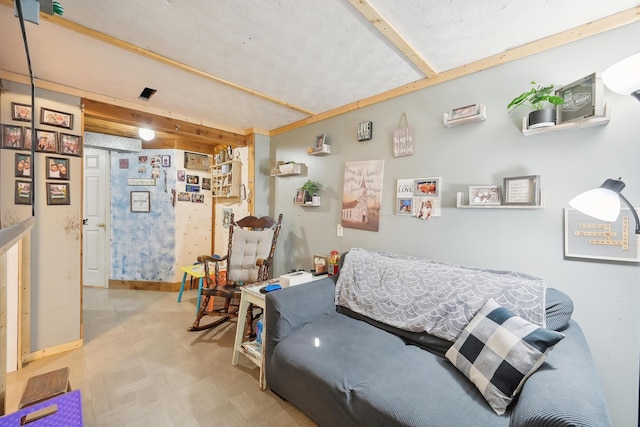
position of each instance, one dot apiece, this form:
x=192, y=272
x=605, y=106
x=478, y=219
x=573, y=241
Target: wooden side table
x=253, y=351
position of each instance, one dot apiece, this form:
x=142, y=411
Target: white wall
x=606, y=294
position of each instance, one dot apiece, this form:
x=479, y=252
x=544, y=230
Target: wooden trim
x=40, y=354
x=3, y=331
x=390, y=33
x=251, y=175
x=611, y=22
x=145, y=286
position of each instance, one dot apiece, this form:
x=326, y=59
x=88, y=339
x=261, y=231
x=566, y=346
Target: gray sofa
x=343, y=369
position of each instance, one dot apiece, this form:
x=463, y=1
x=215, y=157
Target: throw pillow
x=498, y=351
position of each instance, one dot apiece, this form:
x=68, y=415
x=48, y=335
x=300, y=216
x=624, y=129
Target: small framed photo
x=166, y=161
x=193, y=179
x=466, y=111
x=184, y=196
x=140, y=201
x=197, y=198
x=180, y=175
x=12, y=137
x=484, y=195
x=57, y=168
x=522, y=190
x=320, y=141
x=56, y=118
x=57, y=194
x=155, y=160
x=123, y=163
x=206, y=184
x=405, y=206
x=300, y=197
x=23, y=165
x=195, y=161
x=27, y=138
x=427, y=187
x=21, y=112
x=320, y=263
x=190, y=188
x=582, y=98
x=70, y=144
x=47, y=141
x=143, y=159
x=23, y=193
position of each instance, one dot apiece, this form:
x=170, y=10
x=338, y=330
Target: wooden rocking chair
x=252, y=243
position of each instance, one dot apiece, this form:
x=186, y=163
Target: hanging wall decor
x=403, y=138
x=362, y=194
x=419, y=197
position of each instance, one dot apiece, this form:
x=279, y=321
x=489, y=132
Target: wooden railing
x=19, y=234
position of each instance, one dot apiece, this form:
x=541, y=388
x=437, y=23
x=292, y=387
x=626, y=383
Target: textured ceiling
x=266, y=64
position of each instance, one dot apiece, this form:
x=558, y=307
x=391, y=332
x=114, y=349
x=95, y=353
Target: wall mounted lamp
x=624, y=76
x=603, y=202
x=146, y=134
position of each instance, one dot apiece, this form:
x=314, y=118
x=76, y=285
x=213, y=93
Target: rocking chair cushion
x=248, y=246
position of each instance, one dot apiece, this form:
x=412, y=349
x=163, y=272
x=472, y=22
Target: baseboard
x=140, y=285
x=40, y=354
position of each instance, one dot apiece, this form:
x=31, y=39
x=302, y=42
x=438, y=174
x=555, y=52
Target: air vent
x=147, y=93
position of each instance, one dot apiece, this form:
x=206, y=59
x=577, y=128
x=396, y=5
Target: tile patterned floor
x=140, y=367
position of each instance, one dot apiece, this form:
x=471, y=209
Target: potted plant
x=311, y=188
x=538, y=99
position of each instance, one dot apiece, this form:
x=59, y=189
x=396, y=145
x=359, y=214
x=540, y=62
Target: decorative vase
x=542, y=118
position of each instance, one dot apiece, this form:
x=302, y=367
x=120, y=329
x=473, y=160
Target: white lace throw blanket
x=423, y=295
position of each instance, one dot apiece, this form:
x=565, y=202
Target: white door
x=95, y=263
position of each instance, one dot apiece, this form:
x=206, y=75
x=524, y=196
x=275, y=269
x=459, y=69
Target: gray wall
x=606, y=294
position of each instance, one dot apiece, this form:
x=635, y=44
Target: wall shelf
x=460, y=204
x=325, y=149
x=291, y=169
x=577, y=124
x=225, y=179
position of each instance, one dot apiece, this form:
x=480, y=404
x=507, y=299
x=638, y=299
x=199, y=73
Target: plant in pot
x=538, y=99
x=311, y=188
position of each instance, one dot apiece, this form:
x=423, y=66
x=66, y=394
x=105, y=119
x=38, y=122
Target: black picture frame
x=46, y=141
x=583, y=98
x=56, y=118
x=23, y=193
x=23, y=160
x=58, y=193
x=12, y=137
x=70, y=145
x=21, y=112
x=57, y=168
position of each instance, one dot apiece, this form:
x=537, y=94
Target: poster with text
x=362, y=194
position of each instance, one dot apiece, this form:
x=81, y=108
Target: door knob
x=102, y=225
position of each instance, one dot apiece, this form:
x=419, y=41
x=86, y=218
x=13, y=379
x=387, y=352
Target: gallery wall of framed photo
x=41, y=173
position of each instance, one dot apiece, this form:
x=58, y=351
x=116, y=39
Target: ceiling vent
x=147, y=93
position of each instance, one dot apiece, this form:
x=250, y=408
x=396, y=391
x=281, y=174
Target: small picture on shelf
x=320, y=141
x=300, y=197
x=484, y=195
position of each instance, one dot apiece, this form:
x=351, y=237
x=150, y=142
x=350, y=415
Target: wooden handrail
x=10, y=235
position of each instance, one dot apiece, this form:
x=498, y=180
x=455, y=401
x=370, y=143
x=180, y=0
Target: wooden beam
x=390, y=33
x=611, y=22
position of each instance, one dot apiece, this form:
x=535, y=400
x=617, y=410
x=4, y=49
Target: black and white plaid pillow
x=498, y=351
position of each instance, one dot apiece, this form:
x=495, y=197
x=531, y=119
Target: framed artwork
x=405, y=206
x=587, y=237
x=47, y=141
x=181, y=176
x=56, y=118
x=300, y=197
x=123, y=163
x=58, y=194
x=190, y=188
x=361, y=198
x=27, y=138
x=193, y=179
x=427, y=187
x=143, y=159
x=582, y=98
x=320, y=141
x=226, y=217
x=196, y=161
x=70, y=144
x=21, y=112
x=365, y=131
x=466, y=111
x=23, y=165
x=184, y=197
x=484, y=195
x=206, y=184
x=57, y=168
x=12, y=137
x=522, y=190
x=23, y=192
x=197, y=198
x=166, y=161
x=140, y=201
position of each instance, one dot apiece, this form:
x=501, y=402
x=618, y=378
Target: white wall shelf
x=481, y=116
x=326, y=149
x=576, y=124
x=460, y=204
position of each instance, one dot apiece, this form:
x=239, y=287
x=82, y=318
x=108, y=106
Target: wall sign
x=365, y=131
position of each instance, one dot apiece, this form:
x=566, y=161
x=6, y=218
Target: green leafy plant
x=535, y=98
x=311, y=187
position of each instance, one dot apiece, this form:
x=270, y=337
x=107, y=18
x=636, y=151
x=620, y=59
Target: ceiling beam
x=116, y=120
x=390, y=33
x=611, y=22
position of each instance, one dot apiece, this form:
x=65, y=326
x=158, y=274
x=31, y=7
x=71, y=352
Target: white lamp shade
x=146, y=134
x=599, y=203
x=624, y=76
